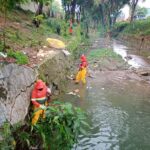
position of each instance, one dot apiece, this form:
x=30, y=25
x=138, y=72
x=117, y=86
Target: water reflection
x=131, y=56
x=118, y=113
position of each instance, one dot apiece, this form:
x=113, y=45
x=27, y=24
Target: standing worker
x=39, y=100
x=81, y=75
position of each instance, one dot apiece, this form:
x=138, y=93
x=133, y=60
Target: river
x=117, y=107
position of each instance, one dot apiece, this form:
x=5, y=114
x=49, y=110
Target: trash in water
x=88, y=87
x=91, y=76
x=70, y=77
x=74, y=92
x=71, y=93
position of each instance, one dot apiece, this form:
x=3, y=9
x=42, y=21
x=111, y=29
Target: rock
x=15, y=88
x=128, y=57
x=56, y=68
x=144, y=73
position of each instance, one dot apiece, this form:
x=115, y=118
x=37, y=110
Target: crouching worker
x=39, y=100
x=81, y=75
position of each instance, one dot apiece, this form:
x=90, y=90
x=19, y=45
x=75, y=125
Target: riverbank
x=116, y=55
x=137, y=28
x=135, y=34
x=28, y=50
x=23, y=37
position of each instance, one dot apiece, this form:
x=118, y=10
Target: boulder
x=55, y=69
x=15, y=89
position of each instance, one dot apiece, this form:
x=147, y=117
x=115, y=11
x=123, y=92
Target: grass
x=78, y=43
x=102, y=53
x=21, y=34
x=137, y=28
x=19, y=56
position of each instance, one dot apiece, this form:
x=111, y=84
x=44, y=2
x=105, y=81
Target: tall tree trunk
x=133, y=7
x=65, y=8
x=40, y=9
x=102, y=15
x=48, y=12
x=68, y=12
x=73, y=6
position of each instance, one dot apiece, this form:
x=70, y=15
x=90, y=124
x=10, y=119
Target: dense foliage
x=136, y=28
x=59, y=130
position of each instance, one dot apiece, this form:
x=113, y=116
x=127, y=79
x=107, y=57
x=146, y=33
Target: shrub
x=1, y=46
x=61, y=127
x=58, y=24
x=137, y=27
x=7, y=142
x=103, y=53
x=19, y=56
x=59, y=130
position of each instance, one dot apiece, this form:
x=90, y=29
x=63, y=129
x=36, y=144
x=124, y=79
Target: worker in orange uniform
x=39, y=100
x=81, y=75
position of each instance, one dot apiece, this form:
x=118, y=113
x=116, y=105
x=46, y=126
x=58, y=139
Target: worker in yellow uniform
x=39, y=100
x=81, y=75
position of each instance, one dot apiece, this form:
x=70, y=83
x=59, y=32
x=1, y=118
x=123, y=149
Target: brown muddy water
x=117, y=104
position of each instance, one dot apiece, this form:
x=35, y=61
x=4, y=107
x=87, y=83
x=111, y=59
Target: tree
x=41, y=3
x=56, y=8
x=102, y=12
x=141, y=11
x=133, y=5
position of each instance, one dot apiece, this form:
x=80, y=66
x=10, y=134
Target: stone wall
x=15, y=88
x=55, y=70
x=137, y=42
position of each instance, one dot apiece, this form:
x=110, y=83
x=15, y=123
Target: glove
x=43, y=107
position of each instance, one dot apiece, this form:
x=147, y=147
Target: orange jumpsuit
x=39, y=97
x=81, y=75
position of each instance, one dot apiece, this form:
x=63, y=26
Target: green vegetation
x=102, y=53
x=19, y=56
x=8, y=142
x=136, y=28
x=73, y=45
x=78, y=44
x=58, y=26
x=23, y=35
x=59, y=130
